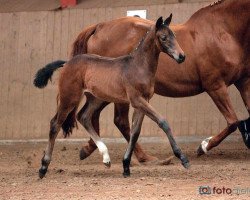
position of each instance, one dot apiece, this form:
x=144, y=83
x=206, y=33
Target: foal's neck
x=146, y=55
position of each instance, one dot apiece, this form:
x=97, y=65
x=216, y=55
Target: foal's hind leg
x=90, y=147
x=55, y=125
x=222, y=100
x=244, y=125
x=85, y=119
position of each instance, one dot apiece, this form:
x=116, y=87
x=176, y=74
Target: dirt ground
x=227, y=166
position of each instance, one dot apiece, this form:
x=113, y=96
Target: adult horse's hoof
x=83, y=154
x=244, y=127
x=107, y=164
x=42, y=172
x=147, y=158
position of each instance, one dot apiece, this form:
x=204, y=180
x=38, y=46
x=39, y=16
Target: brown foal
x=126, y=79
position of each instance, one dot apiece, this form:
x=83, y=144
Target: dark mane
x=140, y=42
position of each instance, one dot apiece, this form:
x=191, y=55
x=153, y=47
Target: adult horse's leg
x=222, y=100
x=84, y=117
x=90, y=147
x=135, y=132
x=244, y=125
x=121, y=120
x=143, y=106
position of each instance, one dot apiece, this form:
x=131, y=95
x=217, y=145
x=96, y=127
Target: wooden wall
x=29, y=40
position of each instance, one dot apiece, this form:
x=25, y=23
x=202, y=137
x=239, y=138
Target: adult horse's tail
x=44, y=74
x=80, y=44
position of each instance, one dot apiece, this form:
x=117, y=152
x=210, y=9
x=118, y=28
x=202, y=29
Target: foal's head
x=166, y=40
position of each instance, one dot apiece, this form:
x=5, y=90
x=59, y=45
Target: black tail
x=44, y=74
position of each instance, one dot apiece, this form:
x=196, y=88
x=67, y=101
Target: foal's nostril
x=182, y=57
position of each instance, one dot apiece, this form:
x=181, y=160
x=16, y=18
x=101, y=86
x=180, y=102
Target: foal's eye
x=163, y=38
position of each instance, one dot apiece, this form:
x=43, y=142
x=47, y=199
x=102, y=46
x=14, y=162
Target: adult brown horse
x=216, y=40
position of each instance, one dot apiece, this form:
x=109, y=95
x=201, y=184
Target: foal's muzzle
x=181, y=58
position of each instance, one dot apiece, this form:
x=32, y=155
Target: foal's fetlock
x=126, y=169
x=185, y=161
x=44, y=168
x=182, y=157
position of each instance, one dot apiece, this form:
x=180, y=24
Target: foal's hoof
x=200, y=151
x=186, y=164
x=42, y=172
x=126, y=174
x=107, y=164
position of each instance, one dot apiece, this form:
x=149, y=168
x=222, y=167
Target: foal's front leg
x=135, y=132
x=142, y=105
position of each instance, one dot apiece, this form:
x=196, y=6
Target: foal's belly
x=105, y=84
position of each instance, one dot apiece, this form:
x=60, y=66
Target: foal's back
x=101, y=76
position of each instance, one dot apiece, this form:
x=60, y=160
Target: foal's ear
x=159, y=23
x=168, y=20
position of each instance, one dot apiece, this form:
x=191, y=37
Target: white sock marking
x=204, y=144
x=104, y=151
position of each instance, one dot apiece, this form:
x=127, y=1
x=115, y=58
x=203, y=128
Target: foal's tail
x=44, y=74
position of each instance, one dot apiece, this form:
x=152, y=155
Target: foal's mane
x=141, y=41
